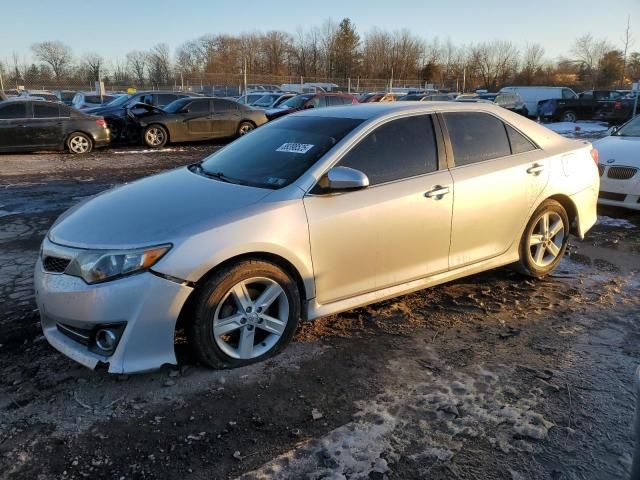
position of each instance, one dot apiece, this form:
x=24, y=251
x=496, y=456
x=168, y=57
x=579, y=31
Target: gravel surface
x=493, y=376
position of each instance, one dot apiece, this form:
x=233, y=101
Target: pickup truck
x=584, y=107
x=617, y=112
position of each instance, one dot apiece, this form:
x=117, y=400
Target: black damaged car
x=27, y=124
x=195, y=119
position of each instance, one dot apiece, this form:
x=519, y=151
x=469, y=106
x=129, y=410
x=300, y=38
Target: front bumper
x=619, y=192
x=149, y=306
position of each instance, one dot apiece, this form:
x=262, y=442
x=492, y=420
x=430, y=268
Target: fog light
x=106, y=340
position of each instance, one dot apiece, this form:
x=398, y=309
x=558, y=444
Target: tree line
x=336, y=52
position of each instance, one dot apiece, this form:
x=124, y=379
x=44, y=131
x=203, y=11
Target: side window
x=333, y=101
x=163, y=99
x=586, y=95
x=146, y=99
x=65, y=111
x=13, y=110
x=42, y=110
x=568, y=94
x=224, y=105
x=398, y=149
x=519, y=143
x=476, y=137
x=199, y=106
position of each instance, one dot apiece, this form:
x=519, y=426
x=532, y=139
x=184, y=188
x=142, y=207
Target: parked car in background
x=310, y=100
x=195, y=119
x=40, y=94
x=288, y=222
x=272, y=100
x=533, y=95
x=85, y=100
x=510, y=101
x=29, y=125
x=262, y=87
x=65, y=96
x=249, y=98
x=383, y=97
x=117, y=112
x=619, y=165
x=618, y=111
x=583, y=107
x=428, y=97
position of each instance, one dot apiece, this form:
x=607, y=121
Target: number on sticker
x=295, y=147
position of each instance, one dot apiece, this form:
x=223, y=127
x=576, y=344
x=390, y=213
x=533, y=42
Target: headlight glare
x=99, y=266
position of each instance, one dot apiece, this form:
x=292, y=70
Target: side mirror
x=341, y=179
x=614, y=129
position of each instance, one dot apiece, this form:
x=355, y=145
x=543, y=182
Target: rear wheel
x=243, y=314
x=155, y=136
x=244, y=128
x=544, y=240
x=569, y=116
x=79, y=143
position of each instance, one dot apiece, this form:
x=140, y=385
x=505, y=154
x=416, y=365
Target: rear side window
x=476, y=137
x=334, y=100
x=398, y=149
x=13, y=110
x=224, y=105
x=519, y=143
x=199, y=106
x=42, y=110
x=163, y=99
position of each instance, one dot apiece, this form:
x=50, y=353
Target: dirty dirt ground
x=490, y=377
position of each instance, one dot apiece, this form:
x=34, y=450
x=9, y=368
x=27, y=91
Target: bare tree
x=137, y=63
x=159, y=64
x=589, y=52
x=532, y=59
x=93, y=63
x=495, y=62
x=56, y=54
x=627, y=42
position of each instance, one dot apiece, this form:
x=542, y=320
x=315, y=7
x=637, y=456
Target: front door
x=196, y=119
x=498, y=176
x=394, y=231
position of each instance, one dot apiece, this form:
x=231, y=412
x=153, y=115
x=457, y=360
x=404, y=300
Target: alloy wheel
x=245, y=128
x=154, y=137
x=79, y=144
x=546, y=239
x=251, y=318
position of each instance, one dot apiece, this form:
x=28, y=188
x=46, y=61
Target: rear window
x=476, y=137
x=277, y=154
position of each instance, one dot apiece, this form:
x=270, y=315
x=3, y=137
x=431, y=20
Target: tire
x=155, y=136
x=225, y=335
x=538, y=260
x=569, y=116
x=79, y=143
x=244, y=128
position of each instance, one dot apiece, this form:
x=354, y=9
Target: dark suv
x=310, y=100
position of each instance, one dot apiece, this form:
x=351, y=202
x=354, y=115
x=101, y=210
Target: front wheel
x=155, y=136
x=544, y=240
x=243, y=314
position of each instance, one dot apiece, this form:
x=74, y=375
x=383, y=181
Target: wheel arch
x=286, y=265
x=570, y=208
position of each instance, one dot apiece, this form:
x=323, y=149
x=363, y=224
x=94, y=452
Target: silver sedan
x=319, y=212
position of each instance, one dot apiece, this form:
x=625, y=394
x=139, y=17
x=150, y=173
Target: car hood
x=622, y=150
x=151, y=211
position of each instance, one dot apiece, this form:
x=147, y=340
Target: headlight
x=95, y=266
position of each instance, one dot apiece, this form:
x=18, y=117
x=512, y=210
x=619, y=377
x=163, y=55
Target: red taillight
x=595, y=155
x=617, y=105
x=101, y=122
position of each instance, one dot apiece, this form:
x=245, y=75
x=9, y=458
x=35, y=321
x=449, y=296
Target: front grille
x=600, y=169
x=81, y=335
x=621, y=173
x=616, y=197
x=55, y=264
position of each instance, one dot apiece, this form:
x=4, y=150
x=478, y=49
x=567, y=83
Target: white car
x=533, y=95
x=618, y=166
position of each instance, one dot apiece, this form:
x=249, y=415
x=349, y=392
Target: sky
x=115, y=27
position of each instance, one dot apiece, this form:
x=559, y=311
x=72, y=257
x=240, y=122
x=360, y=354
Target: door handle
x=437, y=192
x=535, y=169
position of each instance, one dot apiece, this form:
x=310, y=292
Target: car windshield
x=176, y=105
x=297, y=101
x=277, y=154
x=265, y=101
x=119, y=101
x=97, y=99
x=631, y=129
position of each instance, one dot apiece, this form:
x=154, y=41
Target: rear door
x=498, y=174
x=45, y=130
x=196, y=119
x=393, y=231
x=225, y=117
x=13, y=125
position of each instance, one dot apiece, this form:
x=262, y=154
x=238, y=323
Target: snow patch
x=605, y=221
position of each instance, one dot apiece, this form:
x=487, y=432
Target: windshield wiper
x=197, y=168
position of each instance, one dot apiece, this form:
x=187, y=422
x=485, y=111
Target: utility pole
x=245, y=75
x=1, y=84
x=464, y=79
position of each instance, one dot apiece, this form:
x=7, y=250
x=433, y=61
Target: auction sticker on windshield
x=295, y=147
